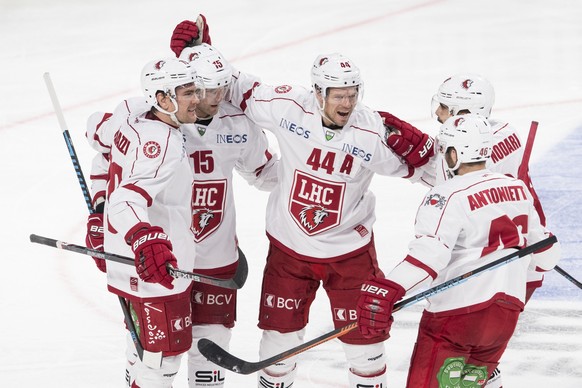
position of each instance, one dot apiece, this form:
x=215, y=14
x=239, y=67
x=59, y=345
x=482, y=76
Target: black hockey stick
x=151, y=359
x=236, y=282
x=223, y=358
x=567, y=276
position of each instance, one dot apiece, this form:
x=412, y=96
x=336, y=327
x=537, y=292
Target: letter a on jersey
x=208, y=199
x=316, y=203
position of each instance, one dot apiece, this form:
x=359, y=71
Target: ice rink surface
x=59, y=327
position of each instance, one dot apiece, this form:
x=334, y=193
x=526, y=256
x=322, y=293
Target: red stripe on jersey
x=419, y=264
x=141, y=192
x=247, y=95
x=288, y=99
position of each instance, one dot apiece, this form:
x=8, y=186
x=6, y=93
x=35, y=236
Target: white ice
x=59, y=327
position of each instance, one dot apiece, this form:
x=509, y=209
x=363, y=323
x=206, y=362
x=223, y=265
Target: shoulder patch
x=152, y=149
x=283, y=89
x=435, y=200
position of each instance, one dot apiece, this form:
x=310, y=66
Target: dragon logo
x=312, y=216
x=201, y=219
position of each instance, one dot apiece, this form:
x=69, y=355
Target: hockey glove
x=153, y=250
x=94, y=237
x=188, y=34
x=407, y=141
x=377, y=298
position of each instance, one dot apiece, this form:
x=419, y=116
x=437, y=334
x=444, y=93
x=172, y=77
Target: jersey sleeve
x=258, y=163
x=245, y=91
x=436, y=231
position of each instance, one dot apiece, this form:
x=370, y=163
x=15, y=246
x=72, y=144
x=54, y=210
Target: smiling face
x=208, y=106
x=187, y=98
x=338, y=105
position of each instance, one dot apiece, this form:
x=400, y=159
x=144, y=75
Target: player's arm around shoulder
x=258, y=162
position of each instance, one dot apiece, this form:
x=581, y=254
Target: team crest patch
x=329, y=135
x=435, y=200
x=208, y=199
x=201, y=130
x=152, y=149
x=283, y=89
x=316, y=203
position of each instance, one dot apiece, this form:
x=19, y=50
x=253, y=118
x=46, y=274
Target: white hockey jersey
x=149, y=181
x=228, y=142
x=322, y=207
x=467, y=222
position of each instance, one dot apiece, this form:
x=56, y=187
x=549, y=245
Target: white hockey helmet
x=166, y=75
x=210, y=65
x=334, y=71
x=470, y=135
x=470, y=92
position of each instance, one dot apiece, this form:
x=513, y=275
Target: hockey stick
x=523, y=169
x=523, y=174
x=568, y=276
x=223, y=358
x=236, y=282
x=151, y=359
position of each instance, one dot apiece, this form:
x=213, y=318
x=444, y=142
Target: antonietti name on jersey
x=496, y=195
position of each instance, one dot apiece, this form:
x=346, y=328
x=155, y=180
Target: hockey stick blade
x=236, y=282
x=223, y=358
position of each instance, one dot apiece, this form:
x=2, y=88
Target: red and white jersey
x=465, y=223
x=506, y=155
x=322, y=207
x=229, y=142
x=149, y=181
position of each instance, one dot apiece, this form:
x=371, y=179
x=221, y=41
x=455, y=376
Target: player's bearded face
x=340, y=103
x=188, y=97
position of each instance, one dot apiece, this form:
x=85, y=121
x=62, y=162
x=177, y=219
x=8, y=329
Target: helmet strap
x=172, y=114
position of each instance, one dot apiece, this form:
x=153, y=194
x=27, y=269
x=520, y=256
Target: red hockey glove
x=375, y=305
x=152, y=249
x=407, y=141
x=188, y=33
x=94, y=237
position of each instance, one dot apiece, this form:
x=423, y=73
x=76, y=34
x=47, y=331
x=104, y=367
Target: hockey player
x=464, y=222
x=221, y=140
x=147, y=212
x=320, y=216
